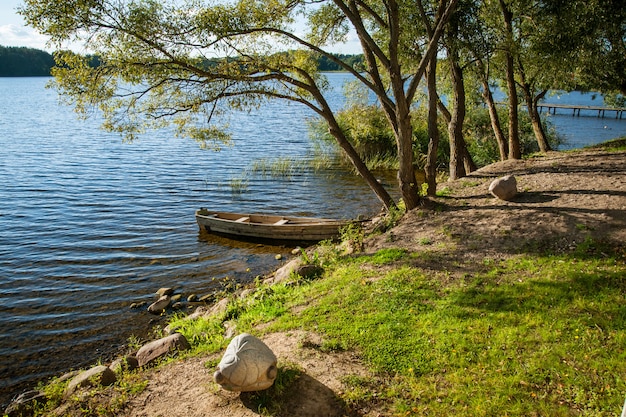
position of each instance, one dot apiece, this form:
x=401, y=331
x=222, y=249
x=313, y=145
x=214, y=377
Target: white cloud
x=16, y=35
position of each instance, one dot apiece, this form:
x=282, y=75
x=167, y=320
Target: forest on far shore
x=24, y=62
x=29, y=62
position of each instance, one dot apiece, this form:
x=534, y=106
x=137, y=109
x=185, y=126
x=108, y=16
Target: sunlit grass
x=532, y=336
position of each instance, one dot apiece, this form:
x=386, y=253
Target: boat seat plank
x=281, y=222
x=243, y=219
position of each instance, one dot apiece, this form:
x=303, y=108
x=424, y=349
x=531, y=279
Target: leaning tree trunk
x=359, y=165
x=433, y=129
x=493, y=114
x=535, y=118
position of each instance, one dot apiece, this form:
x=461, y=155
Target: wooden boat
x=264, y=226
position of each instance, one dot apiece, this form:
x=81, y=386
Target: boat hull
x=262, y=226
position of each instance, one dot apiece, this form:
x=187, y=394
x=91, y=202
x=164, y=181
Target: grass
x=535, y=335
x=530, y=336
x=614, y=145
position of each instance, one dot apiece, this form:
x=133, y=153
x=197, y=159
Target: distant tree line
x=29, y=62
x=24, y=62
x=324, y=63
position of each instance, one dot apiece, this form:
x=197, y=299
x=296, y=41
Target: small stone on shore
x=157, y=348
x=98, y=375
x=161, y=304
x=165, y=291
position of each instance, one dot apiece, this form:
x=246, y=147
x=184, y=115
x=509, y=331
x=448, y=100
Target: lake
x=89, y=225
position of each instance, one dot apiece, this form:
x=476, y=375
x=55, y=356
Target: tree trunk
x=358, y=163
x=468, y=161
x=515, y=151
x=458, y=149
x=493, y=114
x=535, y=117
x=406, y=173
x=433, y=129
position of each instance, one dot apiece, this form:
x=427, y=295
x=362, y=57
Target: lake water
x=588, y=129
x=89, y=224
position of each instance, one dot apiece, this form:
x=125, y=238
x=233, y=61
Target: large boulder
x=157, y=348
x=247, y=365
x=504, y=188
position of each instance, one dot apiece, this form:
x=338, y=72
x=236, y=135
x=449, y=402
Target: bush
x=368, y=130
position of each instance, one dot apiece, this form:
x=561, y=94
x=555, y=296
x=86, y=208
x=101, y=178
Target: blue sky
x=14, y=32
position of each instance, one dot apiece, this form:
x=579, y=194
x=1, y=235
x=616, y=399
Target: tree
x=158, y=63
x=24, y=62
x=514, y=143
x=588, y=40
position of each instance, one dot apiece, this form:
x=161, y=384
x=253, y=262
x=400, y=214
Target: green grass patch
x=384, y=256
x=530, y=336
x=614, y=145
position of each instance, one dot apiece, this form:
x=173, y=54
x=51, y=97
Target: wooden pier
x=551, y=107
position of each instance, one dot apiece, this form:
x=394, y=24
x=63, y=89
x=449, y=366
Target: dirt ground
x=563, y=200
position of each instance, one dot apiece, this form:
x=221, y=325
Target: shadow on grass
x=593, y=297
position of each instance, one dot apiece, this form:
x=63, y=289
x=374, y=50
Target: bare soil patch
x=185, y=388
x=564, y=199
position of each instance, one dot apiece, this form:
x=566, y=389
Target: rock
x=98, y=375
x=504, y=188
x=67, y=375
x=219, y=307
x=127, y=363
x=245, y=293
x=159, y=305
x=230, y=328
x=247, y=365
x=201, y=311
x=309, y=271
x=207, y=298
x=23, y=405
x=296, y=251
x=157, y=348
x=283, y=273
x=165, y=291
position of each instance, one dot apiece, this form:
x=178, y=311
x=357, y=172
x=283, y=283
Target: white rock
x=98, y=375
x=504, y=188
x=247, y=365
